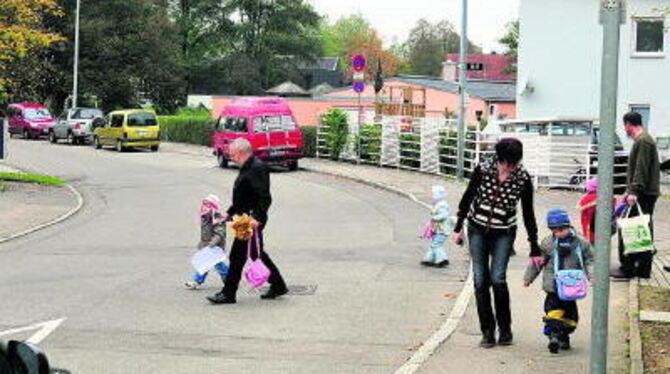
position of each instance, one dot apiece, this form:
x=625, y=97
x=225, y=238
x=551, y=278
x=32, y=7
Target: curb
x=80, y=204
x=635, y=342
x=448, y=327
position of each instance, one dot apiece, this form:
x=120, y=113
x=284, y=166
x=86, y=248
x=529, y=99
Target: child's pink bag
x=428, y=231
x=257, y=273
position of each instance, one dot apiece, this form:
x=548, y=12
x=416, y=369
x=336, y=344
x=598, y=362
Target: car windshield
x=37, y=113
x=233, y=124
x=141, y=119
x=87, y=114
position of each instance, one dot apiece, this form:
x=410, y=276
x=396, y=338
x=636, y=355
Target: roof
x=27, y=105
x=547, y=120
x=487, y=90
x=131, y=111
x=321, y=63
x=321, y=89
x=287, y=88
x=495, y=66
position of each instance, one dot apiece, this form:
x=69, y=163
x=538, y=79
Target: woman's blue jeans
x=490, y=254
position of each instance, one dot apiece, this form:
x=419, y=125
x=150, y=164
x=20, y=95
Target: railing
x=429, y=145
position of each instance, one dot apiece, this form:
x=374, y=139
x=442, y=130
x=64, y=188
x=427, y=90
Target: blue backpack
x=571, y=284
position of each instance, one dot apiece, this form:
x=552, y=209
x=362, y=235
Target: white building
x=560, y=51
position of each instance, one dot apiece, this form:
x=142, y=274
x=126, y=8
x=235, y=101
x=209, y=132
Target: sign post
x=4, y=138
x=358, y=65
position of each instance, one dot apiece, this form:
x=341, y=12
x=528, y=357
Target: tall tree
x=353, y=35
x=22, y=31
x=428, y=45
x=511, y=42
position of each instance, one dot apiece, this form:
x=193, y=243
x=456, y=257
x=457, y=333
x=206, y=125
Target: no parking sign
x=358, y=65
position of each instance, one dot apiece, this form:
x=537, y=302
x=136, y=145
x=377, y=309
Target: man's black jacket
x=251, y=192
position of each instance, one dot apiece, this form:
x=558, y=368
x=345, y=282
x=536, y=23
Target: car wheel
x=120, y=147
x=293, y=165
x=70, y=139
x=154, y=148
x=26, y=134
x=96, y=143
x=222, y=161
x=52, y=137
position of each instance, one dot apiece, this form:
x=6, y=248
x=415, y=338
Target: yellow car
x=125, y=129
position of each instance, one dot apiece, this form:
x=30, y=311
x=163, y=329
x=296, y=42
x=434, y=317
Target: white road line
x=44, y=329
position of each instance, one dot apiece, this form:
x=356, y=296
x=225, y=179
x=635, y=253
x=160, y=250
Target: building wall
x=560, y=57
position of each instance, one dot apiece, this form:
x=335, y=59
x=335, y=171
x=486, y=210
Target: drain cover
x=295, y=289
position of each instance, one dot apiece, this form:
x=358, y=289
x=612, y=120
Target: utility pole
x=610, y=16
x=76, y=57
x=462, y=80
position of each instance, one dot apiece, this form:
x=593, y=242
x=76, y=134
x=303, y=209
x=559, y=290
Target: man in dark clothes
x=644, y=187
x=251, y=195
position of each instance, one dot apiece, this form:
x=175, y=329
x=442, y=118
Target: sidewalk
x=529, y=353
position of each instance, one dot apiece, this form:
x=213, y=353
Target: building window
x=648, y=35
x=645, y=112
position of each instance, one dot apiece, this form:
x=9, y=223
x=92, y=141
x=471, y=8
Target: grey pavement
x=115, y=272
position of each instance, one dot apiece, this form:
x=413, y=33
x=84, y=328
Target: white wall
x=195, y=101
x=560, y=51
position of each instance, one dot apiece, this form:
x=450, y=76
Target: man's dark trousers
x=639, y=264
x=238, y=258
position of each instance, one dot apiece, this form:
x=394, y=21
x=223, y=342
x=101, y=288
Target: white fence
x=429, y=145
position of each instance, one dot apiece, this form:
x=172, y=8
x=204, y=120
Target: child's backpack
x=571, y=284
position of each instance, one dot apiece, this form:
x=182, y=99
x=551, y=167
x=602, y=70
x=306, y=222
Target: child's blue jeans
x=436, y=252
x=221, y=268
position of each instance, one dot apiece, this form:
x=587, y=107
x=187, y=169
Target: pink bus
x=30, y=120
x=267, y=123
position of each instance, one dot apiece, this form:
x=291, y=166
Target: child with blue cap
x=572, y=252
x=438, y=229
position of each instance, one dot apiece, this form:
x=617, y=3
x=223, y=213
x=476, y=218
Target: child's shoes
x=192, y=285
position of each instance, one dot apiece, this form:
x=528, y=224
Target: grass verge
x=32, y=178
x=654, y=299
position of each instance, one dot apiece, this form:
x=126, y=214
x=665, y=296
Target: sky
x=394, y=19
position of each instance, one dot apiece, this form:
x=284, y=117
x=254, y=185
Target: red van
x=30, y=120
x=267, y=123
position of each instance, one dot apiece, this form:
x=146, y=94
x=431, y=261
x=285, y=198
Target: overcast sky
x=395, y=18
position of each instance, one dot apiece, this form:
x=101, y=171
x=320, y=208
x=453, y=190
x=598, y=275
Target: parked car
x=559, y=130
x=125, y=129
x=29, y=119
x=267, y=123
x=76, y=125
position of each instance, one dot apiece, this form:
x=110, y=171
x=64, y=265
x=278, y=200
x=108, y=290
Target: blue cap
x=558, y=218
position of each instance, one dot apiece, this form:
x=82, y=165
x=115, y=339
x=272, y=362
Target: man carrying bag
x=643, y=189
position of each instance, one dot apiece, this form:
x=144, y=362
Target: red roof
x=494, y=66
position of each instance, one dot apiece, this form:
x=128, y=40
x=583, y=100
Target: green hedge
x=309, y=140
x=187, y=129
x=370, y=142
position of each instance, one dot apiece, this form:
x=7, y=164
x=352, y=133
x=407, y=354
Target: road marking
x=44, y=329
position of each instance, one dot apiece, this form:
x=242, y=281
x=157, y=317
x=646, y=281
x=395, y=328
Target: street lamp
x=76, y=57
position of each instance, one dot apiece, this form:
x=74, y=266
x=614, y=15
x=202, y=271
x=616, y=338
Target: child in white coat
x=439, y=229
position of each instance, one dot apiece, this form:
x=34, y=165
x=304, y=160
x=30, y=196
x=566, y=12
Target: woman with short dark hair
x=489, y=204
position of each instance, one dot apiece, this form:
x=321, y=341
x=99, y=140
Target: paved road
x=116, y=269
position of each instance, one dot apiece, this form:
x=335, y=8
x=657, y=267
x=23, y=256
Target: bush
x=338, y=130
x=410, y=150
x=370, y=142
x=187, y=129
x=309, y=141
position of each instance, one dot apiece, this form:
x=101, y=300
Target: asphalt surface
x=116, y=269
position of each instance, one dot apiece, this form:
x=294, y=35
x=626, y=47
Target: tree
x=22, y=31
x=353, y=35
x=511, y=41
x=428, y=45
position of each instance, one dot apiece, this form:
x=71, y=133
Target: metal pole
x=610, y=18
x=76, y=57
x=462, y=84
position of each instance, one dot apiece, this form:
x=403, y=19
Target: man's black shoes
x=488, y=340
x=220, y=298
x=505, y=337
x=273, y=294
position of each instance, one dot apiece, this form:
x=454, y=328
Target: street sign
x=358, y=63
x=359, y=76
x=359, y=86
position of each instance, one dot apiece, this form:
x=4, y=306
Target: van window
x=141, y=119
x=87, y=114
x=233, y=124
x=117, y=120
x=36, y=113
x=273, y=124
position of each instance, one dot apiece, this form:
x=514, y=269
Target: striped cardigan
x=491, y=206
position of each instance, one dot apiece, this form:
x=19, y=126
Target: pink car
x=267, y=123
x=30, y=120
